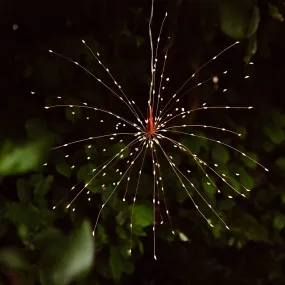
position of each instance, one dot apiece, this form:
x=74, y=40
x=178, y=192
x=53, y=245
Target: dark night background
x=39, y=245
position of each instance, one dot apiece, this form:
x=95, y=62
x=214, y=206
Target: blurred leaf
x=227, y=204
x=84, y=170
x=23, y=190
x=143, y=215
x=120, y=261
x=42, y=187
x=248, y=162
x=220, y=154
x=279, y=221
x=249, y=227
x=254, y=22
x=183, y=237
x=13, y=258
x=26, y=214
x=101, y=234
x=246, y=179
x=69, y=258
x=251, y=49
x=63, y=169
x=193, y=144
x=280, y=162
x=276, y=134
x=238, y=19
x=274, y=12
x=16, y=159
x=45, y=237
x=116, y=262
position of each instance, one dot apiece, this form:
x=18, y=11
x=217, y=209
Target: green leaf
x=16, y=159
x=45, y=237
x=246, y=179
x=254, y=22
x=238, y=19
x=116, y=262
x=85, y=170
x=280, y=163
x=26, y=214
x=248, y=162
x=274, y=12
x=251, y=50
x=13, y=258
x=193, y=144
x=276, y=134
x=249, y=227
x=43, y=186
x=69, y=258
x=23, y=190
x=220, y=154
x=63, y=169
x=143, y=215
x=116, y=148
x=120, y=261
x=279, y=221
x=227, y=204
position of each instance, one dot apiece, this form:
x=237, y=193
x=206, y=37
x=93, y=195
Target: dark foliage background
x=44, y=246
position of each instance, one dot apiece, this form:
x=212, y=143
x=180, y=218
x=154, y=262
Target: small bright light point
x=83, y=41
x=54, y=207
x=50, y=51
x=215, y=79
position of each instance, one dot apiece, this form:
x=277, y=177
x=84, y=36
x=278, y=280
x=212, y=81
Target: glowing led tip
x=83, y=41
x=50, y=51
